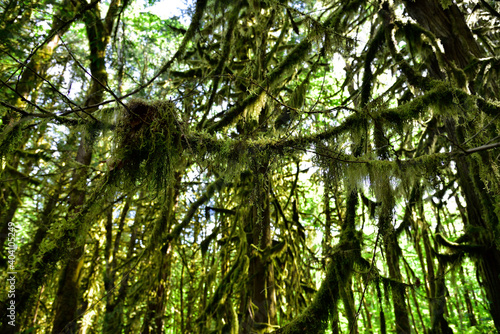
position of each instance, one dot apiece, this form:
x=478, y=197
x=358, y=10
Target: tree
x=279, y=166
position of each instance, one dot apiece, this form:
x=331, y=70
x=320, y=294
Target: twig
x=23, y=98
x=47, y=81
x=105, y=86
x=482, y=148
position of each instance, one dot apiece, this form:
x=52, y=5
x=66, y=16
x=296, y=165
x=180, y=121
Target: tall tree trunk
x=345, y=289
x=488, y=261
x=115, y=316
x=392, y=258
x=438, y=321
x=66, y=302
x=112, y=321
x=98, y=35
x=468, y=303
x=155, y=309
x=157, y=302
x=261, y=303
x=390, y=238
x=460, y=47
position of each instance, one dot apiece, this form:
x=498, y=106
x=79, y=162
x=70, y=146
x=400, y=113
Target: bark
x=155, y=309
x=430, y=277
x=438, y=321
x=383, y=327
x=398, y=288
x=449, y=26
x=390, y=239
x=349, y=306
x=415, y=301
x=115, y=317
x=85, y=282
x=468, y=303
x=112, y=322
x=335, y=319
x=261, y=308
x=6, y=217
x=488, y=261
x=156, y=304
x=66, y=303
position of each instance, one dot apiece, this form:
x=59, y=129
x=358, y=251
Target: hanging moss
x=10, y=137
x=358, y=173
x=316, y=317
x=225, y=287
x=148, y=142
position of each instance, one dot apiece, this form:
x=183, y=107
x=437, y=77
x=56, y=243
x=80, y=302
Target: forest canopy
x=250, y=166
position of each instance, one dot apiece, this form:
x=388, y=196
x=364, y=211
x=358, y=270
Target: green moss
x=148, y=142
x=10, y=138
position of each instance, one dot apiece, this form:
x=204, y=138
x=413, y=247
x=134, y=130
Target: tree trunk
x=438, y=322
x=349, y=306
x=450, y=27
x=398, y=288
x=98, y=36
x=261, y=303
x=66, y=302
x=468, y=303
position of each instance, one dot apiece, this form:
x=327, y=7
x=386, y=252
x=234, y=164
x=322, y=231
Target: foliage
x=287, y=166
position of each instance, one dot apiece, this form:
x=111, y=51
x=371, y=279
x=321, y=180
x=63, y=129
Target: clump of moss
x=148, y=142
